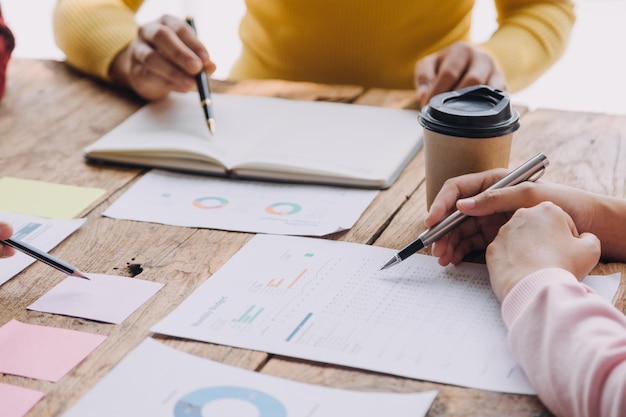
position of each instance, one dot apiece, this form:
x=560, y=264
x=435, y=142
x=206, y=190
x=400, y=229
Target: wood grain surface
x=50, y=113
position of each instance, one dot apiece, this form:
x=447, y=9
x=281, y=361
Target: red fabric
x=7, y=43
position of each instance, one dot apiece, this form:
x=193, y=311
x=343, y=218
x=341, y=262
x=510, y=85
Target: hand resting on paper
x=536, y=238
x=541, y=239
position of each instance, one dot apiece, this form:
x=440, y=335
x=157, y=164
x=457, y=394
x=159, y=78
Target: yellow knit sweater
x=372, y=43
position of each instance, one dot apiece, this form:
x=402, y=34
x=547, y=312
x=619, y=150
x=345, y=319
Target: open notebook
x=267, y=138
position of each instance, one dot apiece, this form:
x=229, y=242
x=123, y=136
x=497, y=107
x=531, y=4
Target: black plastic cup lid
x=479, y=111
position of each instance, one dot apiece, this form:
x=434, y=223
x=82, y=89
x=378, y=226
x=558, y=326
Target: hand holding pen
x=529, y=171
x=164, y=57
x=7, y=244
x=6, y=231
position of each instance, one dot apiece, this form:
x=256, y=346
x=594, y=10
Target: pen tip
x=79, y=274
x=390, y=262
x=211, y=124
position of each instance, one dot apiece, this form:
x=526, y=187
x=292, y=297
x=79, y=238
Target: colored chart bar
x=272, y=283
x=306, y=318
x=251, y=319
x=295, y=281
x=248, y=317
x=26, y=230
x=245, y=315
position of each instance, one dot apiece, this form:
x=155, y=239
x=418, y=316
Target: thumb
x=585, y=254
x=5, y=231
x=425, y=73
x=591, y=245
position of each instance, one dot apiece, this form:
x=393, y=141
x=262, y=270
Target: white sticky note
x=106, y=298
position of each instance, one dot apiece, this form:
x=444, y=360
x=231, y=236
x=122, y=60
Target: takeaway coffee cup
x=467, y=130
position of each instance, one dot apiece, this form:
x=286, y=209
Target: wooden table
x=50, y=113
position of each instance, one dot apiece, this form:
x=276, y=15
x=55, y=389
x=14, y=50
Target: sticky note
x=45, y=199
x=42, y=352
x=106, y=298
x=17, y=401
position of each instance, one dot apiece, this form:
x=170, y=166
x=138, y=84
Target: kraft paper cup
x=465, y=131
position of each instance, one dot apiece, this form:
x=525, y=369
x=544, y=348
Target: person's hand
x=6, y=231
x=164, y=57
x=540, y=237
x=454, y=67
x=489, y=210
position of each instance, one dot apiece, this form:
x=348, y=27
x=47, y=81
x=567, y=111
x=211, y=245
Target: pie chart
x=231, y=400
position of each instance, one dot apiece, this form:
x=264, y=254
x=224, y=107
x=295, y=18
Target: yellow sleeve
x=92, y=32
x=532, y=35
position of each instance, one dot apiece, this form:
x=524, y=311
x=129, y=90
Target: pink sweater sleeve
x=570, y=342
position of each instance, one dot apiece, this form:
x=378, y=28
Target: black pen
x=204, y=90
x=525, y=172
x=44, y=257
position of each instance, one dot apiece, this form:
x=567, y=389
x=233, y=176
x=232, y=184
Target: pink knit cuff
x=524, y=292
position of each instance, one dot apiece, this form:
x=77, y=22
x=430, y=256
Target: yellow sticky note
x=45, y=199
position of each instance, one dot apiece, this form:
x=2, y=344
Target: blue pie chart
x=191, y=404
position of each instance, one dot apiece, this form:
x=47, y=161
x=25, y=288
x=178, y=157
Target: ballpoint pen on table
x=44, y=257
x=525, y=172
x=204, y=90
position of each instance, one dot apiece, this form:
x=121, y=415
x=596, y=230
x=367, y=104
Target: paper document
x=268, y=138
x=158, y=381
x=105, y=298
x=41, y=233
x=43, y=352
x=328, y=301
x=244, y=206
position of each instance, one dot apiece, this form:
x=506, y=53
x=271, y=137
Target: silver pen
x=529, y=170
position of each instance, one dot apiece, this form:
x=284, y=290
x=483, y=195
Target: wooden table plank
x=586, y=150
x=50, y=113
x=289, y=90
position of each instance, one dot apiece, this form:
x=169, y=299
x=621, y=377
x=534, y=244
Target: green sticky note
x=45, y=199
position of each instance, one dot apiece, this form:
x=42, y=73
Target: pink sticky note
x=17, y=401
x=42, y=352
